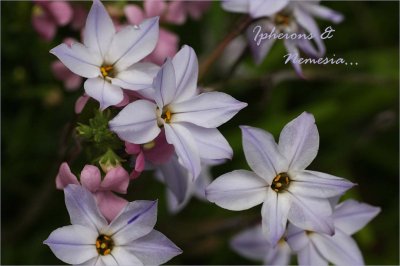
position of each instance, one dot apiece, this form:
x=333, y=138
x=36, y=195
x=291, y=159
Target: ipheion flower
x=109, y=59
x=188, y=118
x=128, y=240
x=279, y=181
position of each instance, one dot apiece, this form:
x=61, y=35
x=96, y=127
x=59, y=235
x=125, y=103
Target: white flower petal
x=137, y=77
x=82, y=208
x=316, y=184
x=279, y=255
x=186, y=73
x=311, y=214
x=210, y=142
x=296, y=238
x=99, y=29
x=238, y=6
x=323, y=12
x=176, y=178
x=136, y=220
x=262, y=153
x=185, y=147
x=210, y=109
x=340, y=249
x=274, y=214
x=133, y=43
x=264, y=8
x=310, y=256
x=78, y=59
x=104, y=92
x=309, y=24
x=73, y=244
x=124, y=256
x=350, y=216
x=154, y=248
x=165, y=85
x=251, y=243
x=137, y=122
x=299, y=141
x=291, y=47
x=107, y=260
x=237, y=190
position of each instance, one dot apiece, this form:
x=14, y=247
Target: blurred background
x=356, y=110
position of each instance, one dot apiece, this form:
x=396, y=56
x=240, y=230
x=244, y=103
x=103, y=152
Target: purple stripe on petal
x=134, y=218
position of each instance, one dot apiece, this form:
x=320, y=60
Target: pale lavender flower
x=279, y=181
x=109, y=59
x=180, y=186
x=252, y=243
x=128, y=240
x=284, y=17
x=314, y=248
x=189, y=119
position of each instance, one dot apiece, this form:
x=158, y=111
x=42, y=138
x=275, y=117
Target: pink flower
x=156, y=152
x=178, y=11
x=116, y=180
x=49, y=15
x=167, y=44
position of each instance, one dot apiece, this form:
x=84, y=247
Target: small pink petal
x=117, y=179
x=61, y=12
x=140, y=162
x=167, y=46
x=176, y=13
x=161, y=152
x=80, y=103
x=65, y=177
x=44, y=26
x=131, y=148
x=125, y=101
x=73, y=82
x=134, y=174
x=91, y=178
x=133, y=14
x=110, y=205
x=154, y=8
x=79, y=18
x=197, y=8
x=69, y=41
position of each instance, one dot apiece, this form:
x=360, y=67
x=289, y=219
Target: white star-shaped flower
x=109, y=59
x=279, y=181
x=189, y=119
x=128, y=240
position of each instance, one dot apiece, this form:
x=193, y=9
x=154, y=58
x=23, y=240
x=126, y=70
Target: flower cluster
x=153, y=116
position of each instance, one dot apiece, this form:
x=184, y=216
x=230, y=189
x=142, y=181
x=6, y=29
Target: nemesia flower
x=252, y=243
x=177, y=11
x=314, y=248
x=167, y=44
x=279, y=181
x=116, y=180
x=180, y=186
x=129, y=239
x=157, y=152
x=189, y=119
x=109, y=59
x=284, y=17
x=49, y=15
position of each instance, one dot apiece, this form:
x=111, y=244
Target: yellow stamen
x=106, y=70
x=149, y=145
x=281, y=182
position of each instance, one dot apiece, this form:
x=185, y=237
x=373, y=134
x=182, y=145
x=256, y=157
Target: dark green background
x=356, y=110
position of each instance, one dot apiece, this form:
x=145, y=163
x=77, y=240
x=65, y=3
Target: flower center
x=104, y=245
x=281, y=182
x=166, y=115
x=107, y=71
x=149, y=145
x=282, y=19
